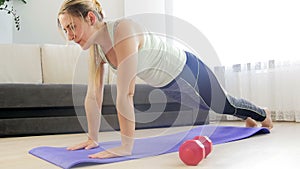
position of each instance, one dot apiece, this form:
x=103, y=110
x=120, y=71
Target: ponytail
x=98, y=8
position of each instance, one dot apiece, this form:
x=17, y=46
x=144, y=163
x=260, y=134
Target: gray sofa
x=36, y=109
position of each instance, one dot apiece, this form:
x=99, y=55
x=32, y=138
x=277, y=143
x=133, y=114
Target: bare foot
x=268, y=121
x=250, y=122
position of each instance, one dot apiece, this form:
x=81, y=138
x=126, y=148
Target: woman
x=132, y=51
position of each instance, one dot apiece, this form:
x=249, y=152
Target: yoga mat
x=145, y=147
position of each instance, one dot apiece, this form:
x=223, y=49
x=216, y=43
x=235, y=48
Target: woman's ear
x=91, y=18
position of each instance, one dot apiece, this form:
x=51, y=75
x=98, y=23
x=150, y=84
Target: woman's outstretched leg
x=215, y=97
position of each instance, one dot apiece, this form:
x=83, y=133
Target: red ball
x=191, y=152
x=206, y=142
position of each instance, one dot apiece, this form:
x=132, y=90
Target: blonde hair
x=80, y=8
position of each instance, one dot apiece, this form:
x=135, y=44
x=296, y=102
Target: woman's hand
x=89, y=144
x=113, y=152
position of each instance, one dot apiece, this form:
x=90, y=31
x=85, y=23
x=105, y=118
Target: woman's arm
x=126, y=49
x=93, y=104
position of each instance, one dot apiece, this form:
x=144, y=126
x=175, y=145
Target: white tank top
x=158, y=62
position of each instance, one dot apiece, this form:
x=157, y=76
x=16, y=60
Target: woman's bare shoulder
x=125, y=28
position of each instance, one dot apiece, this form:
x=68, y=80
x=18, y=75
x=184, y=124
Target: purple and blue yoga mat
x=144, y=147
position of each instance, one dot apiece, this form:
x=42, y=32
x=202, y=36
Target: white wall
x=6, y=27
x=246, y=31
x=134, y=7
x=113, y=8
x=39, y=24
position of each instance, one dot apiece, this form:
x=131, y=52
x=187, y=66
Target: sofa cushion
x=20, y=64
x=60, y=62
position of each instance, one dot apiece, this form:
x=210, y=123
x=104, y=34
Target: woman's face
x=76, y=29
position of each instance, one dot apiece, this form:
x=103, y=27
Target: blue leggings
x=197, y=87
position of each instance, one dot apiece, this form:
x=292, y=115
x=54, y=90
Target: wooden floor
x=280, y=149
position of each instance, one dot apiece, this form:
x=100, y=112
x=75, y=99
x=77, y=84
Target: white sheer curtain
x=271, y=84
